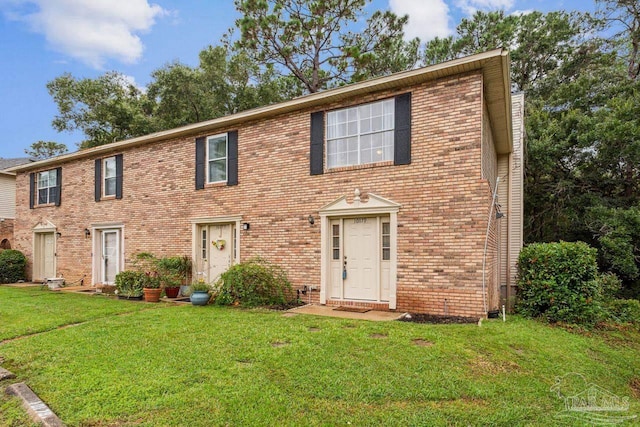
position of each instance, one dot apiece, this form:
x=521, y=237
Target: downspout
x=486, y=244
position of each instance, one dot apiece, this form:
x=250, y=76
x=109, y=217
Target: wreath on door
x=219, y=244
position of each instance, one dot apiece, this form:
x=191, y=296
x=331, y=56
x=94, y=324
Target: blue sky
x=42, y=39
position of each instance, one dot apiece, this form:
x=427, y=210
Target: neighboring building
x=377, y=194
x=8, y=200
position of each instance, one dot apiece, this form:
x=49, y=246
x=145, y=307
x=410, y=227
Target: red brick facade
x=442, y=220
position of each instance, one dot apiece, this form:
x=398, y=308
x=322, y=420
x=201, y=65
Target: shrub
x=624, y=310
x=12, y=266
x=129, y=283
x=253, y=283
x=559, y=282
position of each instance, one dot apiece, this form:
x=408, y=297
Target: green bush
x=624, y=310
x=129, y=283
x=559, y=282
x=12, y=266
x=253, y=283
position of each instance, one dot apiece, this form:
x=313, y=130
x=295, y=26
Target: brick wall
x=441, y=225
x=6, y=232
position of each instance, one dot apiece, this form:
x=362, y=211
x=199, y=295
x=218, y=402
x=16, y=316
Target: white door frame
x=103, y=267
x=197, y=223
x=340, y=208
x=97, y=268
x=38, y=233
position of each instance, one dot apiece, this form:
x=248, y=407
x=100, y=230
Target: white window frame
x=210, y=160
x=50, y=172
x=359, y=133
x=106, y=177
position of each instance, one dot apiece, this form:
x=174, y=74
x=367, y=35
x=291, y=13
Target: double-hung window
x=109, y=168
x=47, y=187
x=217, y=158
x=361, y=134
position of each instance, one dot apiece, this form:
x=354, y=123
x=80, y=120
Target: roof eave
x=494, y=64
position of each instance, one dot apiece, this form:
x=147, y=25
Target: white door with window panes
x=216, y=252
x=360, y=254
x=110, y=256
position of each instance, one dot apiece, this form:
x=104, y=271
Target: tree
x=45, y=149
x=226, y=81
x=625, y=15
x=106, y=109
x=316, y=43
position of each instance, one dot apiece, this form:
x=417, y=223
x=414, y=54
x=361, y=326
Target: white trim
x=236, y=220
x=226, y=157
x=340, y=208
x=96, y=248
x=37, y=232
x=104, y=176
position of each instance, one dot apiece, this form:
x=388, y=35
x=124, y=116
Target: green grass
x=203, y=366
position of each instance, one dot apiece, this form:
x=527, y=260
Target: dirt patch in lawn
x=434, y=318
x=635, y=387
x=422, y=343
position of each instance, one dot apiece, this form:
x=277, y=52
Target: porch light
x=311, y=220
x=87, y=232
x=245, y=225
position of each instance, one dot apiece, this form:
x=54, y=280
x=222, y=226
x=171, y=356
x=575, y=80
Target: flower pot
x=200, y=298
x=172, y=291
x=152, y=294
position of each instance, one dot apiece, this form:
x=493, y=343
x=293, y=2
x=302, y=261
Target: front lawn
x=204, y=366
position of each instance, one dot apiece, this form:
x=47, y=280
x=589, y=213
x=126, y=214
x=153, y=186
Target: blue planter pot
x=200, y=298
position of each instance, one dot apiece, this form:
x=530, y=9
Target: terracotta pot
x=152, y=294
x=172, y=291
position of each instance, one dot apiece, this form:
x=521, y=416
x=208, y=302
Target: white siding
x=510, y=199
x=516, y=210
x=489, y=160
x=7, y=196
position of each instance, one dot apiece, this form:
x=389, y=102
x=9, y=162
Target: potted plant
x=151, y=287
x=175, y=272
x=200, y=292
x=171, y=286
x=129, y=284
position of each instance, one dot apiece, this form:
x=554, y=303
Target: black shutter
x=32, y=189
x=118, y=176
x=232, y=158
x=200, y=162
x=98, y=179
x=317, y=143
x=402, y=135
x=58, y=186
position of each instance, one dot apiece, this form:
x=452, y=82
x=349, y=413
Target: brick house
x=379, y=194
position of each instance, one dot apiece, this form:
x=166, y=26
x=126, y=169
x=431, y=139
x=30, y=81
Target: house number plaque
x=360, y=220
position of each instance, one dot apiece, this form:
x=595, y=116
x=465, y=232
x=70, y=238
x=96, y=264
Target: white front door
x=359, y=259
x=110, y=256
x=217, y=250
x=361, y=281
x=44, y=256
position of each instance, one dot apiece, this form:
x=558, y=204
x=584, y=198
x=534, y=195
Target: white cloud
x=92, y=30
x=472, y=6
x=427, y=18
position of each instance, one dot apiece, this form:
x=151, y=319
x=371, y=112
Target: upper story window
x=109, y=167
x=361, y=134
x=217, y=158
x=109, y=177
x=47, y=187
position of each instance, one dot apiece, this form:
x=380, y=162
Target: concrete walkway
x=323, y=310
